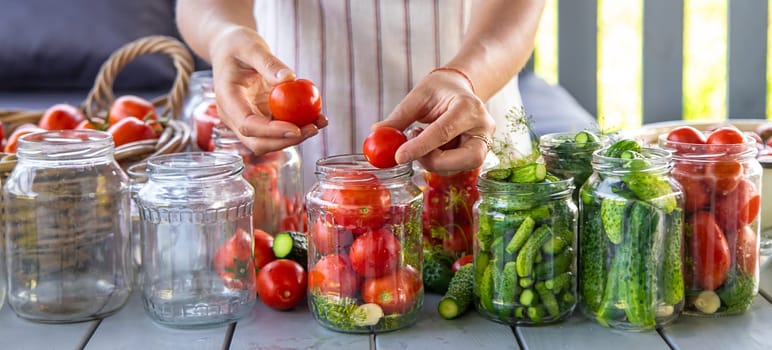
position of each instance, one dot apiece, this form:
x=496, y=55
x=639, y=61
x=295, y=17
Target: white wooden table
x=265, y=328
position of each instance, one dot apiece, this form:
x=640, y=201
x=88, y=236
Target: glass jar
x=276, y=178
x=197, y=256
x=447, y=212
x=200, y=110
x=67, y=228
x=569, y=154
x=364, y=241
x=630, y=242
x=524, y=252
x=722, y=185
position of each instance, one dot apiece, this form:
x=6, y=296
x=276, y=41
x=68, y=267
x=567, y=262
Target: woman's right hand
x=244, y=71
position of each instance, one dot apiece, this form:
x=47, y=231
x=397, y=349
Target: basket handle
x=101, y=96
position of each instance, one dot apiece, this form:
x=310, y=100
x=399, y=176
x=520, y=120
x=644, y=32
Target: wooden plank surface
x=19, y=334
x=266, y=328
x=579, y=332
x=470, y=331
x=132, y=329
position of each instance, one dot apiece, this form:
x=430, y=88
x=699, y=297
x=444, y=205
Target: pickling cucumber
x=459, y=295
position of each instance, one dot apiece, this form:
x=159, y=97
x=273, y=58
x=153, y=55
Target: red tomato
x=203, y=121
x=737, y=208
x=328, y=238
x=395, y=293
x=263, y=243
x=297, y=102
x=131, y=129
x=13, y=140
x=61, y=117
x=746, y=249
x=131, y=106
x=464, y=179
x=333, y=274
x=765, y=132
x=358, y=203
x=726, y=135
x=723, y=175
x=381, y=145
x=686, y=134
x=709, y=250
x=463, y=260
x=696, y=193
x=281, y=284
x=234, y=261
x=375, y=253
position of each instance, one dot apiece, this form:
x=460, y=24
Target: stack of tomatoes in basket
x=130, y=119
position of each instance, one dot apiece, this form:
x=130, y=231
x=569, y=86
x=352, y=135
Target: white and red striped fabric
x=365, y=55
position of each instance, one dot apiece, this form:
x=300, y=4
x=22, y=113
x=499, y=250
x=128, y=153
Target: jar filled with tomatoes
x=447, y=212
x=197, y=254
x=721, y=179
x=276, y=178
x=569, y=155
x=364, y=246
x=67, y=228
x=630, y=262
x=524, y=252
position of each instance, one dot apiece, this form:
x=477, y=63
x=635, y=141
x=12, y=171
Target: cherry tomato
x=21, y=130
x=381, y=145
x=281, y=284
x=358, y=203
x=333, y=274
x=723, y=175
x=375, y=253
x=234, y=261
x=204, y=119
x=328, y=238
x=395, y=293
x=263, y=243
x=737, y=208
x=686, y=134
x=296, y=101
x=61, y=117
x=709, y=250
x=463, y=260
x=131, y=106
x=726, y=135
x=745, y=249
x=131, y=129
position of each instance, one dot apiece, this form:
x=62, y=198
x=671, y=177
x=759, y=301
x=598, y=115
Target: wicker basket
x=176, y=135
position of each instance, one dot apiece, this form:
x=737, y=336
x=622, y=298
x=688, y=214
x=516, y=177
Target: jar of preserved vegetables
x=569, y=154
x=722, y=184
x=67, y=228
x=630, y=239
x=276, y=179
x=364, y=246
x=524, y=252
x=197, y=254
x=447, y=212
x=200, y=110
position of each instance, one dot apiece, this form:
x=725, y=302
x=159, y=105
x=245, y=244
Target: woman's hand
x=459, y=127
x=244, y=72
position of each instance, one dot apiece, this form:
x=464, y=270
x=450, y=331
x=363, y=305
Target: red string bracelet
x=457, y=71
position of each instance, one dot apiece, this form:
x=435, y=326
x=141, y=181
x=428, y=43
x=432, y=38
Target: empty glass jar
x=67, y=228
x=197, y=257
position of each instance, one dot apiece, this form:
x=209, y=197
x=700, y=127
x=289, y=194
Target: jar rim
x=64, y=145
x=329, y=168
x=659, y=160
x=709, y=152
x=194, y=166
x=556, y=138
x=561, y=187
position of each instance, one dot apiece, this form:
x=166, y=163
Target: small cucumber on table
x=459, y=296
x=291, y=245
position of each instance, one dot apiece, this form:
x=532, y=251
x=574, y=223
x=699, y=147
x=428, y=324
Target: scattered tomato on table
x=281, y=284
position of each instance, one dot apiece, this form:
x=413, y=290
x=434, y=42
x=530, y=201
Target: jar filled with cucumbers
x=721, y=179
x=569, y=154
x=630, y=261
x=524, y=256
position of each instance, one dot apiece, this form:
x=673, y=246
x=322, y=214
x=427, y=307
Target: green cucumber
x=641, y=309
x=557, y=265
x=672, y=265
x=484, y=287
x=291, y=245
x=560, y=282
x=521, y=235
x=592, y=259
x=527, y=256
x=618, y=147
x=529, y=173
x=507, y=289
x=501, y=174
x=612, y=213
x=437, y=272
x=459, y=295
x=548, y=299
x=584, y=137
